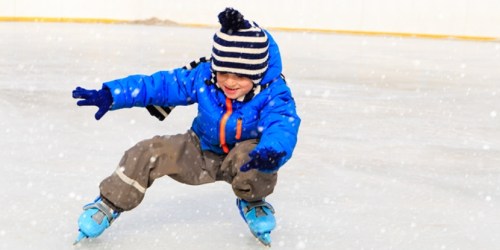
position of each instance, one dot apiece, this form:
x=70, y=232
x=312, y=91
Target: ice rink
x=399, y=146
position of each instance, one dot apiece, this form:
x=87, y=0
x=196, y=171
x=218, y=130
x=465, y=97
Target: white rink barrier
x=462, y=19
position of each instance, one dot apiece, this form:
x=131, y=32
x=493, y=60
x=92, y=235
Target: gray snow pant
x=181, y=158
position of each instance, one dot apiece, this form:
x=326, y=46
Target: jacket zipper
x=222, y=128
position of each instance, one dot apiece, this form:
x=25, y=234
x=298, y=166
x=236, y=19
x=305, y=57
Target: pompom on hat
x=240, y=47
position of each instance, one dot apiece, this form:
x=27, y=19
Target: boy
x=245, y=130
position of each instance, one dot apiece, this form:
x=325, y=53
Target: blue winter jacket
x=269, y=116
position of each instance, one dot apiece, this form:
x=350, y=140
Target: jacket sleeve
x=280, y=124
x=164, y=88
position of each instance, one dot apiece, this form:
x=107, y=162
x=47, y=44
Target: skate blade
x=79, y=238
x=264, y=238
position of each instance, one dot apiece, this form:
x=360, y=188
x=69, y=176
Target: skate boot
x=97, y=216
x=259, y=216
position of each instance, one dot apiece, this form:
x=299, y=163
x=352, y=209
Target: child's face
x=234, y=86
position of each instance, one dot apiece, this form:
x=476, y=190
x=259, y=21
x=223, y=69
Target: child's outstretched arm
x=164, y=88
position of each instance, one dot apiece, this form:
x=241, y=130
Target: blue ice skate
x=259, y=216
x=95, y=218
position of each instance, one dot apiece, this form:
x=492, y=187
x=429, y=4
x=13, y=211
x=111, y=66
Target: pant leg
x=178, y=156
x=252, y=185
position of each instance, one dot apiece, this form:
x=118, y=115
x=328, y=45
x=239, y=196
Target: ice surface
x=399, y=146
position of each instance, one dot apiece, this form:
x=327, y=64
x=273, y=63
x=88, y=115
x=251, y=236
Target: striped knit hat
x=240, y=47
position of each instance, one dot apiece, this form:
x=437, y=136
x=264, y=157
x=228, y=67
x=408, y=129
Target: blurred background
x=399, y=145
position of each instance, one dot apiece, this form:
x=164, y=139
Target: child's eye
x=221, y=75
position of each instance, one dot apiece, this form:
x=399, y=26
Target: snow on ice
x=399, y=146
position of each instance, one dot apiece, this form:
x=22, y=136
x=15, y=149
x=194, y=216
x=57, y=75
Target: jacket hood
x=275, y=66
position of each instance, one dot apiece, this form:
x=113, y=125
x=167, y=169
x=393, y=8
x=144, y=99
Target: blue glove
x=265, y=160
x=101, y=98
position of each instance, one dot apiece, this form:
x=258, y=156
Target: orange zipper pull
x=239, y=125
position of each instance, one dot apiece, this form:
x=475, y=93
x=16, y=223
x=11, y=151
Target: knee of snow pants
x=252, y=185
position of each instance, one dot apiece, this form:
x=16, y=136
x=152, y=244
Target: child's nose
x=232, y=79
